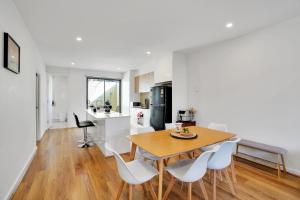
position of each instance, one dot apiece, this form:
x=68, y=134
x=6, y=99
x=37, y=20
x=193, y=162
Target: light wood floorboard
x=60, y=170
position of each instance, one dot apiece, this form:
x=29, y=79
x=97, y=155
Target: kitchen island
x=110, y=128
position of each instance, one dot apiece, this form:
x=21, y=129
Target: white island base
x=112, y=129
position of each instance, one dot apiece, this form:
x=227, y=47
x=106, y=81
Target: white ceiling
x=117, y=33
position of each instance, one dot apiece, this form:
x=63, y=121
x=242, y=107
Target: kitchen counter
x=103, y=115
x=110, y=128
x=144, y=122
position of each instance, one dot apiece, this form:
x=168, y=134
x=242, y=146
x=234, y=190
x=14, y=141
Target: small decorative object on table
x=107, y=107
x=184, y=135
x=178, y=127
x=192, y=112
x=186, y=130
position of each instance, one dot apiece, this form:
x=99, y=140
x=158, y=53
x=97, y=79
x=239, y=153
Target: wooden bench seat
x=280, y=152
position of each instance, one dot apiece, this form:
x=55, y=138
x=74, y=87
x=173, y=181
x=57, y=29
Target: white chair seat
x=210, y=147
x=179, y=169
x=141, y=170
x=147, y=155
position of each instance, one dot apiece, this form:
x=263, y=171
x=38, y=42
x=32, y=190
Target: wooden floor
x=60, y=170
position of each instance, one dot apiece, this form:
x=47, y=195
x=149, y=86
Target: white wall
x=252, y=83
x=17, y=102
x=179, y=84
x=126, y=92
x=77, y=88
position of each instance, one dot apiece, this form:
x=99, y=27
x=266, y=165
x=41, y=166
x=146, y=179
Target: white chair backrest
x=170, y=126
x=199, y=167
x=222, y=158
x=145, y=129
x=218, y=127
x=123, y=170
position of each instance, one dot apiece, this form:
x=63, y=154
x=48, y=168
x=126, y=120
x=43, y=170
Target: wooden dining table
x=161, y=144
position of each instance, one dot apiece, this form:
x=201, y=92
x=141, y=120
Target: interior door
x=59, y=98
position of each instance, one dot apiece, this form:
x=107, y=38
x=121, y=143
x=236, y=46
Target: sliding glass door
x=101, y=90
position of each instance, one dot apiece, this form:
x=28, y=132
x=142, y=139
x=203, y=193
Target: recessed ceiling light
x=72, y=63
x=118, y=68
x=229, y=25
x=79, y=39
x=148, y=52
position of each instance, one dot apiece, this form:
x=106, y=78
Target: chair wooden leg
x=220, y=175
x=170, y=186
x=166, y=161
x=283, y=163
x=130, y=192
x=229, y=181
x=278, y=166
x=120, y=190
x=214, y=184
x=144, y=187
x=233, y=174
x=190, y=191
x=211, y=176
x=152, y=192
x=157, y=165
x=203, y=189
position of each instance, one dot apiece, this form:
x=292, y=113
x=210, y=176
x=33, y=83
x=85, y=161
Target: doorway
x=58, y=100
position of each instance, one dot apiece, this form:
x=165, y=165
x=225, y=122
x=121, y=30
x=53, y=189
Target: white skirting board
x=21, y=175
x=293, y=171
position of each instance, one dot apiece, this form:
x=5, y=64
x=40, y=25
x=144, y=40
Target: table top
x=161, y=144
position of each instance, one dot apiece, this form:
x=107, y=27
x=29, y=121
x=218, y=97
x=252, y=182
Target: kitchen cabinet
x=143, y=83
x=137, y=84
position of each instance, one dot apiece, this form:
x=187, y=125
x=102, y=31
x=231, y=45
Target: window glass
x=101, y=90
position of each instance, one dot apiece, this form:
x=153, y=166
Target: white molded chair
x=220, y=161
x=134, y=172
x=190, y=170
x=170, y=126
x=143, y=152
x=218, y=127
x=173, y=126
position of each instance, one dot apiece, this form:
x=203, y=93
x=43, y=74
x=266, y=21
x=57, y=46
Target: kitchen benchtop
x=103, y=115
x=139, y=107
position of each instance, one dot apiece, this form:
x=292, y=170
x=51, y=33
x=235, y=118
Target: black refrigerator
x=161, y=107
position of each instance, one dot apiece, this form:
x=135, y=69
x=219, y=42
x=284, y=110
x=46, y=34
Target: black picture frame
x=12, y=54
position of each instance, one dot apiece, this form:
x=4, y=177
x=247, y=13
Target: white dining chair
x=218, y=127
x=189, y=171
x=133, y=173
x=143, y=152
x=170, y=126
x=173, y=126
x=220, y=161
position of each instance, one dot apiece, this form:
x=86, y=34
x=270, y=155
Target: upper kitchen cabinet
x=137, y=84
x=143, y=83
x=163, y=69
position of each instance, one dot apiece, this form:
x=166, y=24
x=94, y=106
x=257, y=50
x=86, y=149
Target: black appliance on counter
x=161, y=107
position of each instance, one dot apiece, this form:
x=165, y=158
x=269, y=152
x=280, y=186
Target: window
x=100, y=90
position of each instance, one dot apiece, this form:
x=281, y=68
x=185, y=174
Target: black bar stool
x=84, y=125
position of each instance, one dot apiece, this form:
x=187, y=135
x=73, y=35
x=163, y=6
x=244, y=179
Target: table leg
x=160, y=178
x=132, y=152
